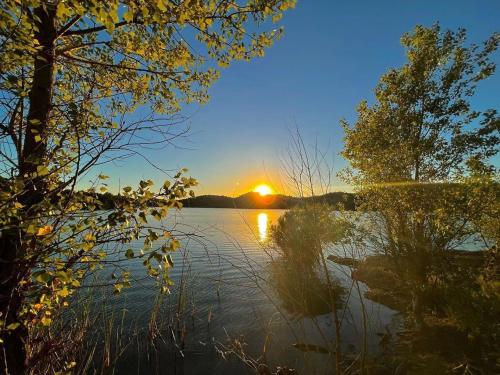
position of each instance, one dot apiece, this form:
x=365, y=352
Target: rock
x=344, y=261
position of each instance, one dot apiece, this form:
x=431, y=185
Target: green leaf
x=142, y=217
x=41, y=276
x=64, y=276
x=13, y=326
x=42, y=170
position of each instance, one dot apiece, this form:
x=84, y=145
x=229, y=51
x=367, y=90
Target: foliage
x=85, y=83
x=422, y=127
x=411, y=150
x=420, y=161
x=302, y=233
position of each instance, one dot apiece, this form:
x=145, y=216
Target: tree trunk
x=13, y=242
x=421, y=261
x=40, y=99
x=12, y=353
x=417, y=310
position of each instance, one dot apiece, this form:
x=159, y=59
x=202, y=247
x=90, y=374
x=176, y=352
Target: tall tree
x=412, y=151
x=73, y=73
x=422, y=126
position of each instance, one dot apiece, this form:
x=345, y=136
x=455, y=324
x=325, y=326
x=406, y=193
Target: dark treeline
x=246, y=201
x=250, y=200
x=277, y=201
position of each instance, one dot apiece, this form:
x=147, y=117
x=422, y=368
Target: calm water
x=222, y=273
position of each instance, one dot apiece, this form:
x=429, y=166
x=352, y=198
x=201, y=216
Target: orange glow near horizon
x=263, y=189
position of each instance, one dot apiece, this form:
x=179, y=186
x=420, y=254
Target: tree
x=75, y=76
x=413, y=151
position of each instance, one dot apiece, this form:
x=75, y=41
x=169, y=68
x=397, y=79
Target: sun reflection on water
x=262, y=221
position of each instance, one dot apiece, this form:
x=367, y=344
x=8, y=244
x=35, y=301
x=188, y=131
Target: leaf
x=62, y=10
x=129, y=254
x=46, y=321
x=156, y=214
x=174, y=245
x=142, y=217
x=161, y=5
x=128, y=15
x=37, y=306
x=13, y=326
x=165, y=290
x=64, y=275
x=42, y=170
x=41, y=276
x=117, y=288
x=64, y=292
x=169, y=260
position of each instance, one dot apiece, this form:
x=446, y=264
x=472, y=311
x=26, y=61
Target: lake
x=223, y=314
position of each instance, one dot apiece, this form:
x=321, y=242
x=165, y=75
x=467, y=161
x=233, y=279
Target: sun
x=263, y=189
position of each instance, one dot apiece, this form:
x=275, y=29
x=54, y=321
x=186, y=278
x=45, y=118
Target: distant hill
x=272, y=201
x=107, y=201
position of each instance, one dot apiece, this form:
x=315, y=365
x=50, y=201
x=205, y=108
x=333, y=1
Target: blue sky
x=329, y=59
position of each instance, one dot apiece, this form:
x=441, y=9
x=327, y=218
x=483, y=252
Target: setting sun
x=263, y=189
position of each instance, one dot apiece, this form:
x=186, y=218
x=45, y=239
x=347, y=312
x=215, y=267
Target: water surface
x=222, y=299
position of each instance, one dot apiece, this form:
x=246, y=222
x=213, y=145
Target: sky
x=330, y=57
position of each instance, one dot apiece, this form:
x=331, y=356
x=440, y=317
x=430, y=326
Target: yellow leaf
x=42, y=170
x=161, y=6
x=63, y=292
x=62, y=10
x=44, y=230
